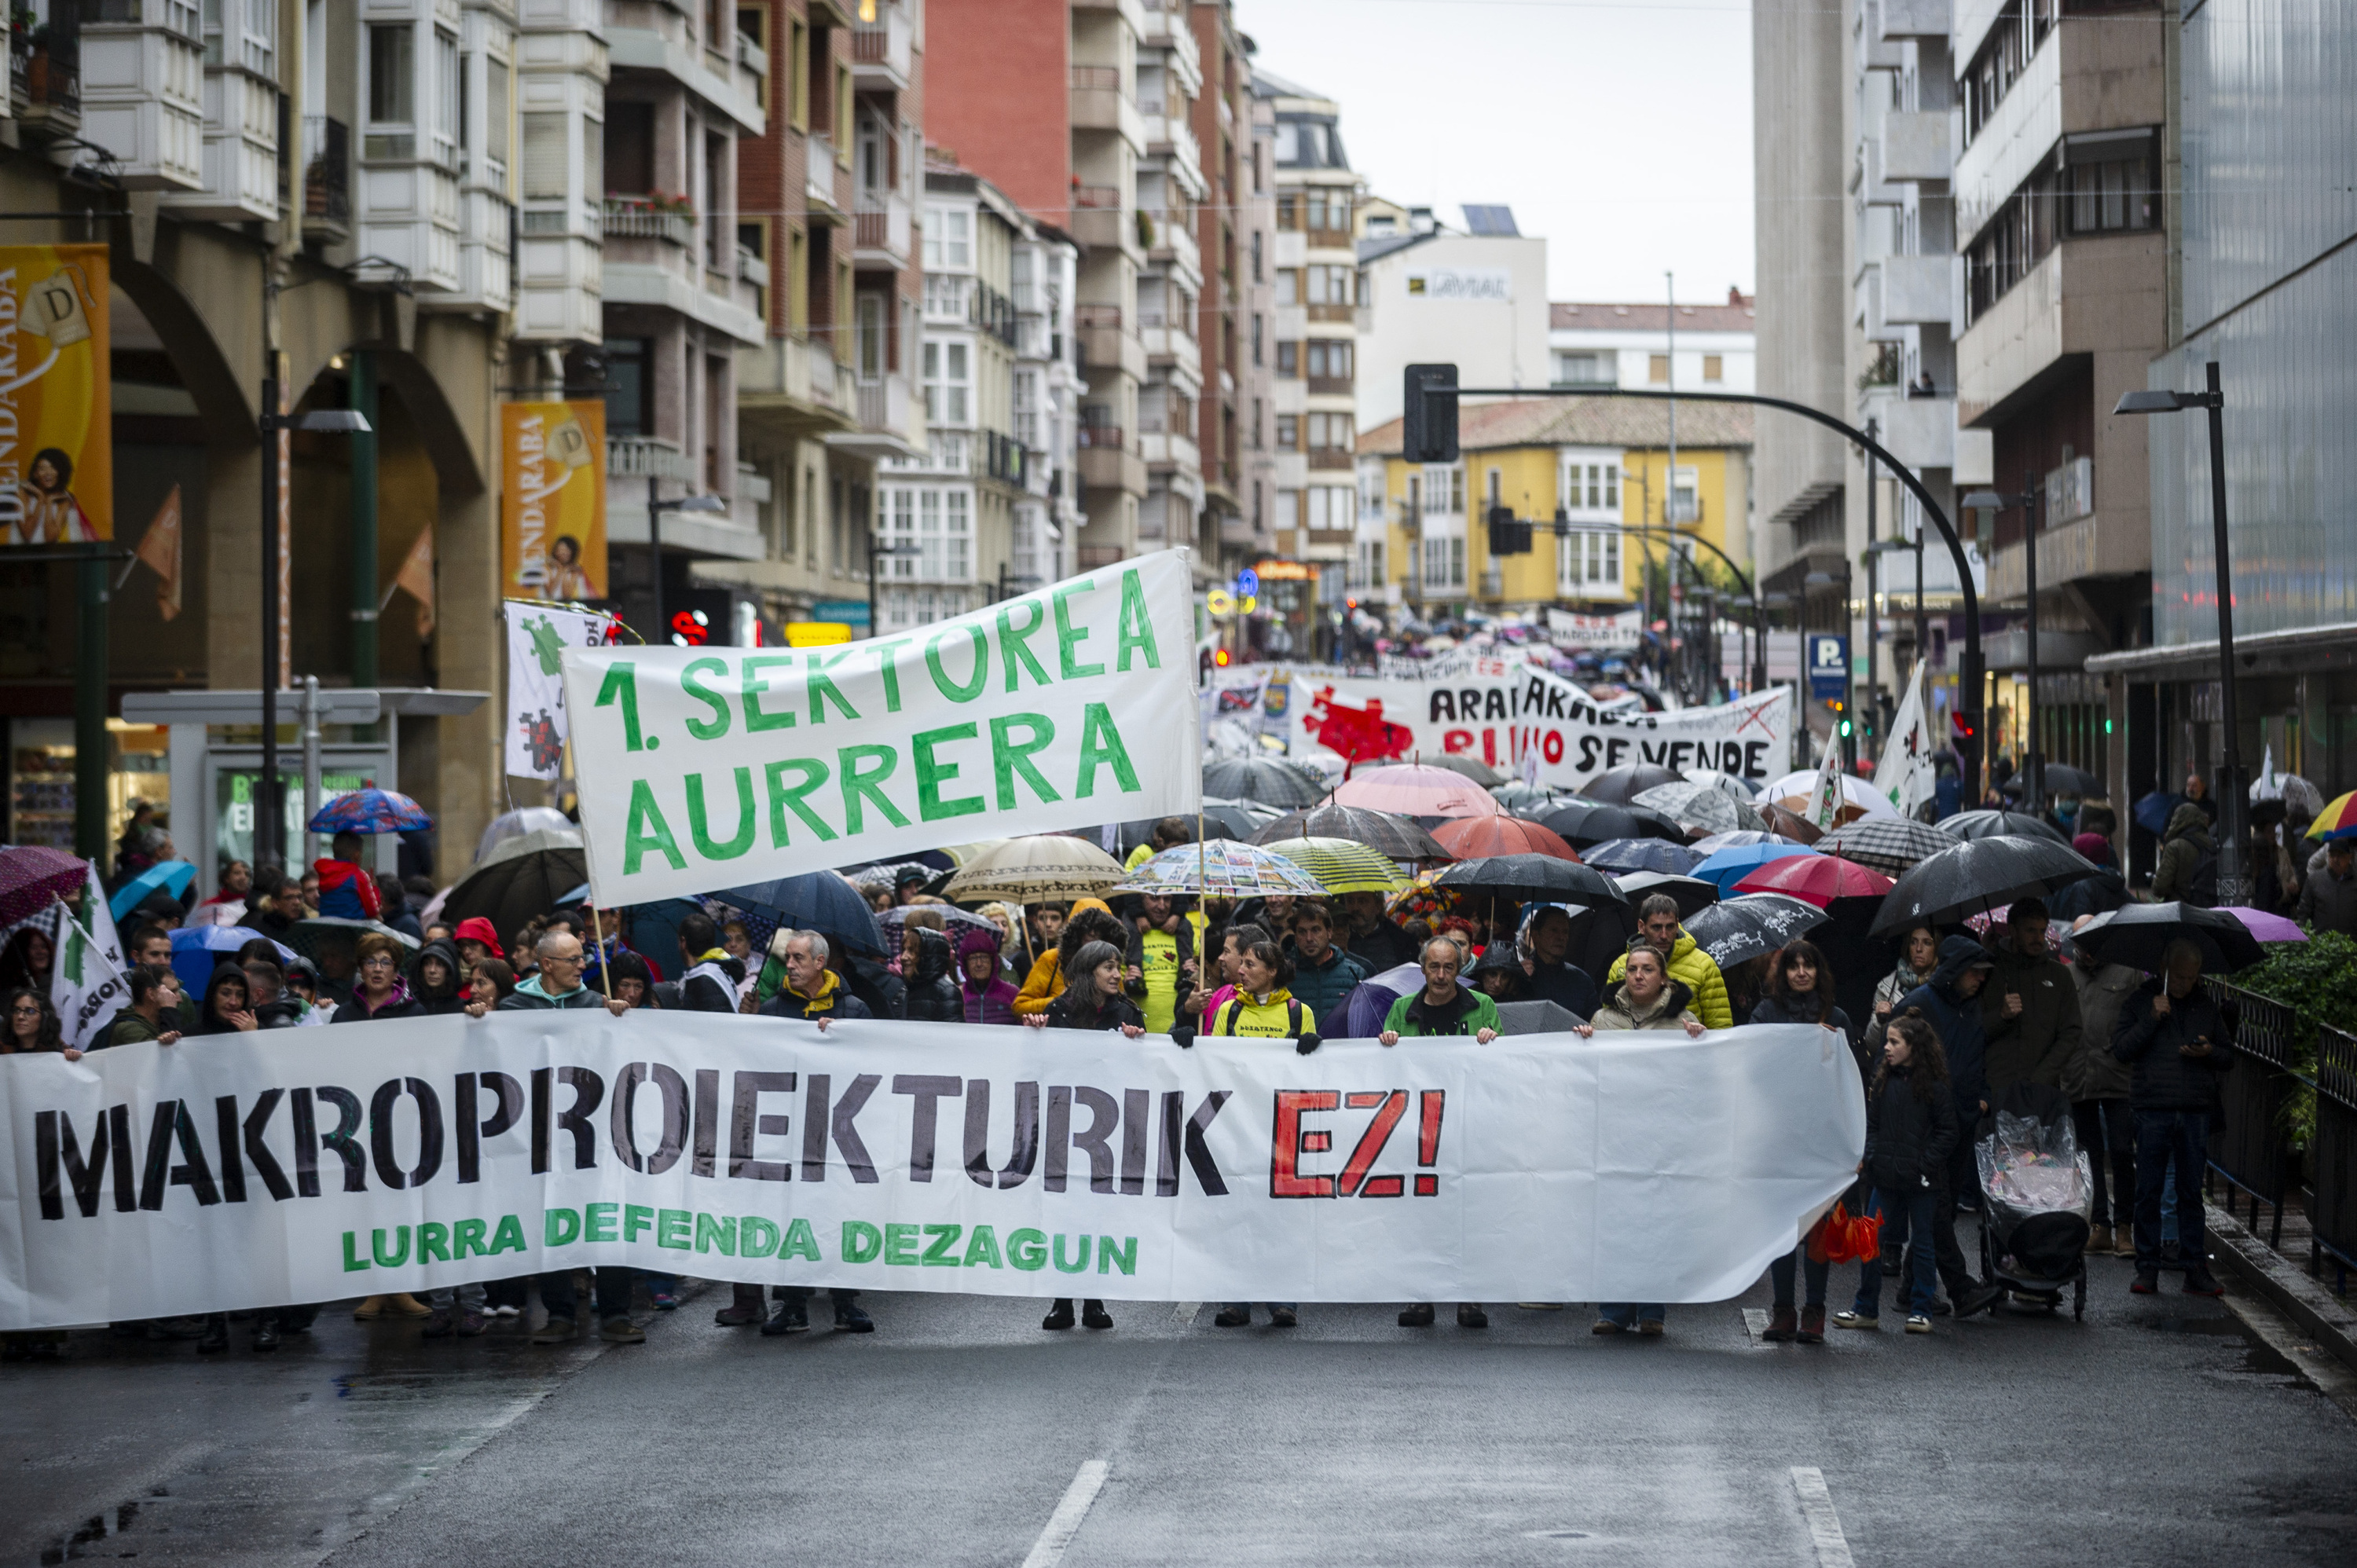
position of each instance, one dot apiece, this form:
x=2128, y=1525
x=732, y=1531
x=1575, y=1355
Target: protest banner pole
x=597, y=935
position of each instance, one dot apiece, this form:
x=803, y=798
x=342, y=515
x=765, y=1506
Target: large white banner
x=702, y=768
x=260, y=1169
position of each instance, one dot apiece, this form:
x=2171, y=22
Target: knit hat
x=2094, y=846
x=976, y=940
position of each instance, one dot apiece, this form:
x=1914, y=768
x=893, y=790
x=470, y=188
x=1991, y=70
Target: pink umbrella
x=2265, y=927
x=1416, y=790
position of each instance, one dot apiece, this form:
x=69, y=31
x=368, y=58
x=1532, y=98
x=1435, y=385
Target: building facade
x=1235, y=233
x=1475, y=297
x=1630, y=345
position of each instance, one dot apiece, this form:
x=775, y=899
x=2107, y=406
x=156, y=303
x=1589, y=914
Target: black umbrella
x=1736, y=930
x=1534, y=879
x=1692, y=893
x=2061, y=778
x=522, y=876
x=1472, y=767
x=1398, y=837
x=815, y=901
x=1978, y=874
x=1261, y=779
x=1588, y=824
x=1620, y=856
x=1969, y=825
x=1522, y=799
x=1622, y=784
x=2139, y=935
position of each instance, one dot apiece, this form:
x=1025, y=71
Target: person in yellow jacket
x=1657, y=923
x=1046, y=981
x=1168, y=834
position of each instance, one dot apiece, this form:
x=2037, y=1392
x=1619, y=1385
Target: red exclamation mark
x=1428, y=1140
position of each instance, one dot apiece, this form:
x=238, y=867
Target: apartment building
x=1172, y=190
x=1474, y=297
x=1633, y=344
x=1235, y=233
x=1252, y=318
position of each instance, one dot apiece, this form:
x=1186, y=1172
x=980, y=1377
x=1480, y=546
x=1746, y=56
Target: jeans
x=2107, y=1131
x=1628, y=1314
x=803, y=1293
x=507, y=1293
x=1780, y=1277
x=469, y=1296
x=613, y=1298
x=1904, y=1213
x=2172, y=1150
x=1948, y=1257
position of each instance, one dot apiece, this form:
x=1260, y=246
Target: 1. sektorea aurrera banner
x=702, y=768
x=258, y=1169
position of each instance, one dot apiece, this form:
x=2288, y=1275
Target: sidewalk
x=2282, y=1276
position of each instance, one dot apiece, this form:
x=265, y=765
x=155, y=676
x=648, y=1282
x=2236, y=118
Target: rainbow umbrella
x=2337, y=820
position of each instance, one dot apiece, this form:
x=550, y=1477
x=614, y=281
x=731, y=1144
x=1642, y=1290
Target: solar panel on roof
x=1497, y=221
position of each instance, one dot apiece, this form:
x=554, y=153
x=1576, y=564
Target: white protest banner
x=1905, y=772
x=87, y=985
x=258, y=1169
x=538, y=635
x=702, y=768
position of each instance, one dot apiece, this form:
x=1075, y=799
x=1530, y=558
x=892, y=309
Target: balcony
x=819, y=174
x=2086, y=296
x=648, y=456
x=1923, y=20
x=1108, y=462
x=882, y=229
x=1174, y=247
x=628, y=218
x=327, y=178
x=1169, y=137
x=1172, y=346
x=883, y=51
x=1100, y=102
x=1333, y=457
x=1921, y=432
x=1915, y=148
x=1919, y=291
x=1103, y=221
x=143, y=91
x=2114, y=544
x=1104, y=341
x=1171, y=449
x=655, y=37
x=45, y=70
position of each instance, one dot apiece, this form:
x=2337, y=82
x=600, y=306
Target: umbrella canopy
x=1789, y=824
x=1978, y=874
x=1891, y=844
x=1699, y=808
x=2139, y=935
x=171, y=876
x=197, y=948
x=329, y=931
x=1736, y=930
x=370, y=810
x=1474, y=838
x=1730, y=866
x=2336, y=820
x=893, y=922
x=1589, y=823
x=525, y=875
x=815, y=901
x=31, y=875
x=1816, y=879
x=1383, y=831
x=2265, y=927
x=1412, y=790
x=1856, y=791
x=1034, y=870
x=1692, y=893
x=1472, y=767
x=1642, y=854
x=1714, y=842
x=2061, y=778
x=1222, y=869
x=1371, y=1000
x=1246, y=817
x=1734, y=787
x=1342, y=865
x=516, y=823
x=2152, y=812
x=1533, y=800
x=1132, y=835
x=1263, y=779
x=1621, y=785
x=1968, y=825
x=1534, y=878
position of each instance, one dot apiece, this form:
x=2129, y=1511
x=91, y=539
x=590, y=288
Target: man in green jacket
x=154, y=1010
x=1657, y=922
x=1443, y=1006
x=2030, y=1008
x=558, y=983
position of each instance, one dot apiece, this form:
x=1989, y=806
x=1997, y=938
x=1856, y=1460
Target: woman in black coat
x=929, y=970
x=1800, y=991
x=1910, y=1129
x=1092, y=997
x=436, y=981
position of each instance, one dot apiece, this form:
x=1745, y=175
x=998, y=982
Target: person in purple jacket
x=988, y=998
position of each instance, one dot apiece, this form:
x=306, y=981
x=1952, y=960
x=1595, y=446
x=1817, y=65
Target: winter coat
x=1772, y=1010
x=2165, y=1079
x=400, y=1004
x=712, y=983
x=1908, y=1140
x=1956, y=1018
x=1893, y=988
x=2097, y=894
x=347, y=892
x=528, y=997
x=2038, y=1046
x=433, y=1004
x=2093, y=1073
x=1042, y=985
x=1567, y=987
x=875, y=987
x=933, y=989
x=1275, y=1015
x=1115, y=1013
x=1469, y=1012
x=1321, y=985
x=991, y=1002
x=835, y=1002
x=1667, y=1011
x=2328, y=903
x=1385, y=947
x=129, y=1028
x=1693, y=969
x=2188, y=869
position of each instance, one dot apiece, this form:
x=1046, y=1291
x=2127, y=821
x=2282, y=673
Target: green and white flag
x=87, y=985
x=1905, y=774
x=1826, y=795
x=702, y=768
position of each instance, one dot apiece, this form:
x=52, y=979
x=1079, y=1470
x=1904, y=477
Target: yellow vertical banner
x=552, y=501
x=57, y=438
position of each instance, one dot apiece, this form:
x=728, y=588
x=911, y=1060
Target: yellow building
x=1598, y=467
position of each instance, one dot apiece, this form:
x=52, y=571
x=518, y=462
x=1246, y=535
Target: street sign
x=1828, y=665
x=851, y=612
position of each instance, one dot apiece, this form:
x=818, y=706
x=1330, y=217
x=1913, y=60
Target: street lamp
x=2234, y=887
x=2033, y=773
x=324, y=422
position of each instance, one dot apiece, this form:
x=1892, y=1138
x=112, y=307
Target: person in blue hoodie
x=1950, y=1002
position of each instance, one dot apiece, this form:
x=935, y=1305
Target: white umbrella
x=1033, y=870
x=1856, y=791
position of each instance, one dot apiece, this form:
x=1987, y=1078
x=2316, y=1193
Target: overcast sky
x=1619, y=129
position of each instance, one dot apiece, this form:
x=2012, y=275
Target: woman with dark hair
x=491, y=983
x=1092, y=997
x=51, y=515
x=29, y=959
x=227, y=1008
x=435, y=978
x=634, y=980
x=1091, y=922
x=1910, y=1128
x=1801, y=991
x=32, y=1025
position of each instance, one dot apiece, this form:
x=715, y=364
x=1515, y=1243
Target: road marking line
x=1825, y=1523
x=1185, y=1316
x=1755, y=1323
x=1065, y=1522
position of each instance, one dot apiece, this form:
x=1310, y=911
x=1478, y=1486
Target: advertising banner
x=57, y=465
x=552, y=501
x=265, y=1168
x=703, y=768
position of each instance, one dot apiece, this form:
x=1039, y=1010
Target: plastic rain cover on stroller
x=2039, y=1190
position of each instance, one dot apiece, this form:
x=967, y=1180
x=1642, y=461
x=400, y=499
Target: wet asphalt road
x=2162, y=1431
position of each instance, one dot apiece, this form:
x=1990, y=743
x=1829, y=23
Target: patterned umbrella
x=1893, y=845
x=1630, y=855
x=1734, y=787
x=1396, y=836
x=1965, y=826
x=1621, y=785
x=1033, y=870
x=1817, y=879
x=1417, y=792
x=1472, y=767
x=33, y=874
x=1736, y=930
x=1728, y=866
x=1342, y=865
x=370, y=810
x=1263, y=779
x=1222, y=868
x=1697, y=807
x=1473, y=838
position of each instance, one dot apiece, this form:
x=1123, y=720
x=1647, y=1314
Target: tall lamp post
x=2234, y=805
x=655, y=508
x=2033, y=771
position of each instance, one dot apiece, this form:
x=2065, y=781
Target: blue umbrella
x=171, y=876
x=370, y=810
x=1641, y=854
x=196, y=950
x=815, y=901
x=2153, y=811
x=1728, y=866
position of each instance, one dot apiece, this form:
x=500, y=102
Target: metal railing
x=44, y=59
x=2332, y=1154
x=2250, y=1152
x=636, y=221
x=326, y=168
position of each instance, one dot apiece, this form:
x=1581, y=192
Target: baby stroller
x=2037, y=1193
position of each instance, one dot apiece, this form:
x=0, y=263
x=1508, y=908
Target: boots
x=744, y=1309
x=1060, y=1316
x=2099, y=1239
x=1782, y=1326
x=1812, y=1325
x=1094, y=1316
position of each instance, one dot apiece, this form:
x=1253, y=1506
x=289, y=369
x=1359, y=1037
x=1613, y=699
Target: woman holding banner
x=1647, y=999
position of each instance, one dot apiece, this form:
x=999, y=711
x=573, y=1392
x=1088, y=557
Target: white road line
x=1065, y=1522
x=1755, y=1323
x=1817, y=1508
x=1185, y=1313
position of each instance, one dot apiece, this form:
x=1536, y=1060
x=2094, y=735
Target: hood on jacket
x=446, y=950
x=474, y=928
x=974, y=939
x=934, y=960
x=1676, y=998
x=1958, y=954
x=2188, y=820
x=530, y=985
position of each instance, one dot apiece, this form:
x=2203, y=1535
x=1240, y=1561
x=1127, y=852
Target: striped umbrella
x=1342, y=865
x=2337, y=820
x=1222, y=868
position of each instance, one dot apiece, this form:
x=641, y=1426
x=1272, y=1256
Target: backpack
x=1293, y=1017
x=2202, y=882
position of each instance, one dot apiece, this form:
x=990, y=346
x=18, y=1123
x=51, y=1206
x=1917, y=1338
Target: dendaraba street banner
x=257, y=1169
x=57, y=451
x=552, y=499
x=703, y=768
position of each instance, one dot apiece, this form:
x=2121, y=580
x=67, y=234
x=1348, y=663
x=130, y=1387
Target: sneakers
x=1604, y=1326
x=741, y=1314
x=850, y=1319
x=1094, y=1316
x=265, y=1333
x=504, y=1311
x=1284, y=1317
x=441, y=1326
x=1812, y=1325
x=1651, y=1327
x=558, y=1331
x=1856, y=1320
x=621, y=1331
x=1918, y=1323
x=1418, y=1316
x=1060, y=1316
x=1232, y=1318
x=1470, y=1316
x=790, y=1317
x=2201, y=1282
x=2147, y=1283
x=1782, y=1324
x=470, y=1323
x=664, y=1300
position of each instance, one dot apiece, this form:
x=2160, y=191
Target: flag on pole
x=1905, y=774
x=1825, y=794
x=98, y=915
x=415, y=578
x=538, y=726
x=159, y=547
x=86, y=986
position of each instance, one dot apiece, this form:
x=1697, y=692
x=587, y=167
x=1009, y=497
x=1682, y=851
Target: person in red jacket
x=345, y=889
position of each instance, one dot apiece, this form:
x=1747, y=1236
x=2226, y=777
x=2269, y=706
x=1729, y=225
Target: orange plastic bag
x=1844, y=1238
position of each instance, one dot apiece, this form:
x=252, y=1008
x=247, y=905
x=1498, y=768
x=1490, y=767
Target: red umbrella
x=1817, y=879
x=1478, y=838
x=1417, y=792
x=32, y=875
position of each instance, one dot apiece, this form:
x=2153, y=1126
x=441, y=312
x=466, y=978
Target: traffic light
x=1845, y=729
x=1428, y=415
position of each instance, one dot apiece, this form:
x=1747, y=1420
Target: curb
x=2317, y=1310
